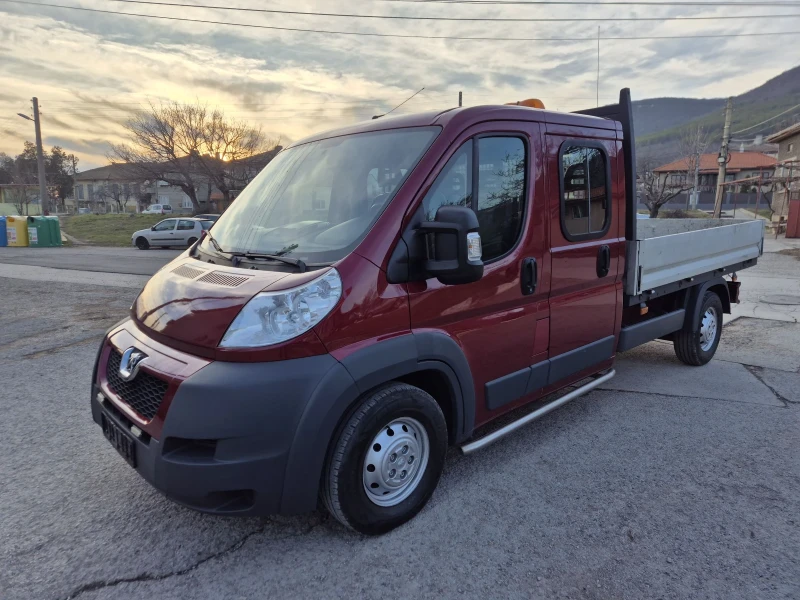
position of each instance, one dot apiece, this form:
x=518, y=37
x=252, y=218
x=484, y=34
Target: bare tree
x=21, y=195
x=188, y=146
x=692, y=144
x=164, y=144
x=231, y=152
x=119, y=193
x=657, y=189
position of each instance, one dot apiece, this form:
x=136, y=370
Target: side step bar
x=530, y=417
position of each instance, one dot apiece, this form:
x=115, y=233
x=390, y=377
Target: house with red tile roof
x=742, y=165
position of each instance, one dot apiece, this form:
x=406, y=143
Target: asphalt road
x=671, y=482
x=128, y=261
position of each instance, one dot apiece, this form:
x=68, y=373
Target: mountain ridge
x=659, y=122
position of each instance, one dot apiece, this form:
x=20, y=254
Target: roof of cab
x=465, y=117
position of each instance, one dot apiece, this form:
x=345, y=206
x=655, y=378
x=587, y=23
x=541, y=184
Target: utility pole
x=40, y=157
x=696, y=178
x=459, y=98
x=723, y=159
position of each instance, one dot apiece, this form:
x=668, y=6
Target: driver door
x=164, y=233
x=499, y=321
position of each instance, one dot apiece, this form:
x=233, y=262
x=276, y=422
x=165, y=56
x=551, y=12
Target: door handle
x=530, y=276
x=603, y=261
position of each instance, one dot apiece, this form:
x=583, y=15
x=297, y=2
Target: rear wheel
x=386, y=459
x=698, y=346
x=142, y=243
x=192, y=241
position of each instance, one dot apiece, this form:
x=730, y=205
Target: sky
x=92, y=71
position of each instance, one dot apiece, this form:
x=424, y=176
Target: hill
x=658, y=122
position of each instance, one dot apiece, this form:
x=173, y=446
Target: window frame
x=592, y=235
x=474, y=180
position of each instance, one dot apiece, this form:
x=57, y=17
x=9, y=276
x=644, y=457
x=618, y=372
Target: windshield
x=318, y=200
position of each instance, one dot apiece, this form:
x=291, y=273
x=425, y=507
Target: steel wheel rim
x=395, y=461
x=708, y=329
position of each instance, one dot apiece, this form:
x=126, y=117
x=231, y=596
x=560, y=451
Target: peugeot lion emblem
x=129, y=365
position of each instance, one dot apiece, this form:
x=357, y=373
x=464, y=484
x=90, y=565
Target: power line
x=712, y=4
x=404, y=36
x=458, y=19
x=767, y=120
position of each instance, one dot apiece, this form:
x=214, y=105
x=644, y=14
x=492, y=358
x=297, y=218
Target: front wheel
x=698, y=346
x=142, y=243
x=386, y=460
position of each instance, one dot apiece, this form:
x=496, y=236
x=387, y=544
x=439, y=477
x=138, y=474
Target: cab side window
x=185, y=225
x=585, y=196
x=497, y=168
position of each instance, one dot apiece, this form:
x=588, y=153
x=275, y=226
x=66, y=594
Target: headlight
x=274, y=317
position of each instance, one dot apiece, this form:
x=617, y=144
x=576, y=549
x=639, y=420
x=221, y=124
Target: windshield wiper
x=214, y=243
x=296, y=262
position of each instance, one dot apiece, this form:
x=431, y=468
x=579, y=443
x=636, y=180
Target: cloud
x=93, y=71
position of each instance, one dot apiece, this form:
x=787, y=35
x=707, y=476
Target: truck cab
x=382, y=292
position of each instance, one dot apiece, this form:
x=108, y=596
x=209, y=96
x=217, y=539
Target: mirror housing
x=153, y=228
x=453, y=246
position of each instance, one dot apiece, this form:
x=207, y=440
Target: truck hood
x=195, y=302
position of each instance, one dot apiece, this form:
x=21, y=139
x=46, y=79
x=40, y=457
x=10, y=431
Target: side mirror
x=153, y=228
x=453, y=246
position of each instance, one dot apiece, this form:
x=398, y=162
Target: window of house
x=790, y=147
x=585, y=205
x=89, y=191
x=186, y=202
x=79, y=191
x=185, y=225
x=496, y=167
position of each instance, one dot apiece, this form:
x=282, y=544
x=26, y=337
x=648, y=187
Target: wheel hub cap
x=395, y=461
x=708, y=329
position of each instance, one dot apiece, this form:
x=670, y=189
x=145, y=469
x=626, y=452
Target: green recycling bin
x=44, y=232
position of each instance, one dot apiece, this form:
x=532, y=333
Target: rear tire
x=697, y=347
x=142, y=243
x=192, y=241
x=385, y=460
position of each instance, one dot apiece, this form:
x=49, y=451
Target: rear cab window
x=584, y=172
x=495, y=166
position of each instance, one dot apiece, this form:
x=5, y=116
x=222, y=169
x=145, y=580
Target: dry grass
x=107, y=230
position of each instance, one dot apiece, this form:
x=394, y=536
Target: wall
x=10, y=209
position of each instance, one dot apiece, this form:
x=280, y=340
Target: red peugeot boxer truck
x=380, y=292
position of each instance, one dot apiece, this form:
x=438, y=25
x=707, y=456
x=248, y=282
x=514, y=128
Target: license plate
x=120, y=439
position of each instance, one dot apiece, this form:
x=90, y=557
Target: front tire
x=142, y=243
x=697, y=347
x=386, y=460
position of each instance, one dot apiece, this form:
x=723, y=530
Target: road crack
x=757, y=373
x=148, y=577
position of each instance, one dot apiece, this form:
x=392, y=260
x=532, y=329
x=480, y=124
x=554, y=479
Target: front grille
x=143, y=394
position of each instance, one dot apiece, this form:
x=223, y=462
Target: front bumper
x=229, y=431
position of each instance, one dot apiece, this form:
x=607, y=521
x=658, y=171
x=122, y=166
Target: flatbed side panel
x=670, y=258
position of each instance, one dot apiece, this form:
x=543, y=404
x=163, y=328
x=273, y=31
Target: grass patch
x=764, y=212
x=107, y=230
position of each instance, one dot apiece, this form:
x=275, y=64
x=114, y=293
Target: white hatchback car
x=158, y=209
x=171, y=232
